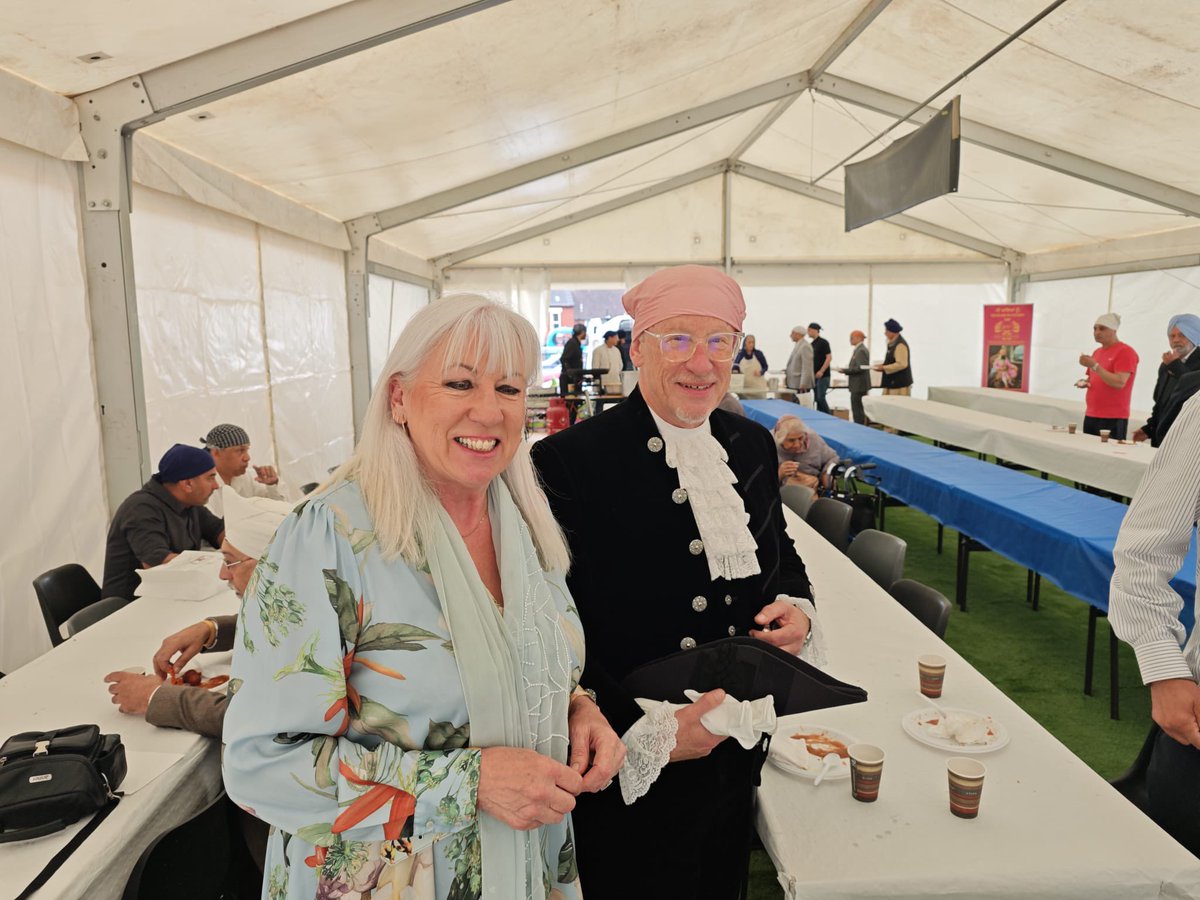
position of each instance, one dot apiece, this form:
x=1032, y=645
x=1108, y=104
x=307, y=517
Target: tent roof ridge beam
x=816, y=192
x=289, y=48
x=535, y=231
x=631, y=138
x=1019, y=147
x=847, y=37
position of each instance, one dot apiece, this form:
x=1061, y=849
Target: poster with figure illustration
x=1007, y=335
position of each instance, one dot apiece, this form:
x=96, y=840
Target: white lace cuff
x=814, y=650
x=648, y=742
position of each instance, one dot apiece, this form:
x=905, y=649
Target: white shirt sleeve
x=1152, y=544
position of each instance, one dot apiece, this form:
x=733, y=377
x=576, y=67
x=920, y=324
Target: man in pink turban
x=701, y=555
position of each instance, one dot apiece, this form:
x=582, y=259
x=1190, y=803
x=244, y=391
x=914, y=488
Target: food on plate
x=961, y=728
x=821, y=744
x=195, y=678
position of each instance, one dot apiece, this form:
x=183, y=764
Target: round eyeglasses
x=720, y=347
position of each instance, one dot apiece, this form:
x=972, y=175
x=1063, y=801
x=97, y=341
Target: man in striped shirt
x=1144, y=612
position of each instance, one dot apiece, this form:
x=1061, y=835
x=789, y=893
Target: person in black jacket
x=706, y=556
x=571, y=363
x=822, y=358
x=1183, y=333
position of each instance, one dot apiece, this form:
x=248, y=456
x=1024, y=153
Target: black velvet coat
x=642, y=587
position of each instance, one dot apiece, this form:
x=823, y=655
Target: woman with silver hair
x=405, y=711
x=803, y=454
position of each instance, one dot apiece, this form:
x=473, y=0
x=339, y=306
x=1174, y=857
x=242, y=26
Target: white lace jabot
x=701, y=464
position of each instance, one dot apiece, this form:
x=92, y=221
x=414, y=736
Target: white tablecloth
x=1026, y=407
x=65, y=687
x=1048, y=826
x=1079, y=457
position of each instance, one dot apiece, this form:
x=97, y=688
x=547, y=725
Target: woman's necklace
x=477, y=524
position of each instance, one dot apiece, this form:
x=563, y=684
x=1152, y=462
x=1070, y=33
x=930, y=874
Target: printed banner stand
x=1007, y=337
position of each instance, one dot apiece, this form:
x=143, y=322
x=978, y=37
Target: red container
x=556, y=415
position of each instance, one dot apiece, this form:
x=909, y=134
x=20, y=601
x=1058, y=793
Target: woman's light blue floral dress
x=348, y=730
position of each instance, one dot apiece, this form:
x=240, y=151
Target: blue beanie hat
x=1189, y=324
x=181, y=462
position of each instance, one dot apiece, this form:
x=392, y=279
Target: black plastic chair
x=880, y=555
x=831, y=520
x=90, y=615
x=61, y=593
x=930, y=606
x=797, y=498
x=192, y=860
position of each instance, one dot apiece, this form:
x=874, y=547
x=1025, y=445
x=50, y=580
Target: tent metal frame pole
x=289, y=48
x=816, y=192
x=358, y=299
x=727, y=220
x=535, y=231
x=631, y=138
x=1018, y=147
x=112, y=294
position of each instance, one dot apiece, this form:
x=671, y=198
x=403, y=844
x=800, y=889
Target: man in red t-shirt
x=1111, y=370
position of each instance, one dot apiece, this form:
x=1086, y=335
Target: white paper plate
x=781, y=762
x=914, y=725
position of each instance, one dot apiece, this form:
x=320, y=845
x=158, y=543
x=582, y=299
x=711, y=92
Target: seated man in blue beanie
x=162, y=519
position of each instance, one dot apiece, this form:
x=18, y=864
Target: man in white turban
x=250, y=524
x=1109, y=382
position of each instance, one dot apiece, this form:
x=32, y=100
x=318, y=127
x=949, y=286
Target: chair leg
x=882, y=497
x=1114, y=693
x=964, y=559
x=1033, y=588
x=941, y=532
x=1090, y=658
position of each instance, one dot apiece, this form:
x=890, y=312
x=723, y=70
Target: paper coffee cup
x=1104, y=435
x=931, y=670
x=866, y=767
x=966, y=785
x=1071, y=428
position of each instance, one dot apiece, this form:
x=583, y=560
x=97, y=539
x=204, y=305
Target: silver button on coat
x=699, y=604
x=687, y=644
x=679, y=495
x=728, y=600
x=732, y=631
x=696, y=547
x=654, y=445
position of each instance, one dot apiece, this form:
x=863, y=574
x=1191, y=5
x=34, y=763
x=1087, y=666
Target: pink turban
x=685, y=291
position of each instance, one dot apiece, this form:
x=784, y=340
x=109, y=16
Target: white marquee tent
x=227, y=212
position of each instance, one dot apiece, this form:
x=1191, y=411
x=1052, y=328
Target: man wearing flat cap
x=710, y=558
x=230, y=449
x=896, y=367
x=1111, y=369
x=1183, y=334
x=163, y=518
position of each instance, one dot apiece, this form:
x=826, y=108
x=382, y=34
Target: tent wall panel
x=304, y=300
x=52, y=462
x=392, y=304
x=200, y=319
x=1063, y=313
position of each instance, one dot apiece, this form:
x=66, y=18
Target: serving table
x=173, y=775
x=1048, y=825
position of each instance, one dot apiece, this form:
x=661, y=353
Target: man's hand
x=1139, y=436
x=786, y=626
x=524, y=789
x=596, y=751
x=1175, y=706
x=186, y=643
x=1170, y=356
x=132, y=692
x=1086, y=361
x=266, y=474
x=692, y=739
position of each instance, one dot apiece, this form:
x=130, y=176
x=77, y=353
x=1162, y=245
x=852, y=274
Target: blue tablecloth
x=1064, y=534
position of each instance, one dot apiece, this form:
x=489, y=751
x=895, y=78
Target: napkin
x=192, y=575
x=746, y=721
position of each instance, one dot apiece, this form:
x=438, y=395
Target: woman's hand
x=524, y=789
x=596, y=751
x=186, y=643
x=787, y=469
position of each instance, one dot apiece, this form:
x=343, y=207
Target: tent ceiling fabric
x=525, y=80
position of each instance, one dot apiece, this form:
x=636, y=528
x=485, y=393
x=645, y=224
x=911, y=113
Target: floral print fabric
x=348, y=730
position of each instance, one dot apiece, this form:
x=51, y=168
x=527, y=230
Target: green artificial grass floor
x=1036, y=658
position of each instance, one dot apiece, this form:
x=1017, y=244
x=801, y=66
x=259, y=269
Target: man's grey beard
x=692, y=421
